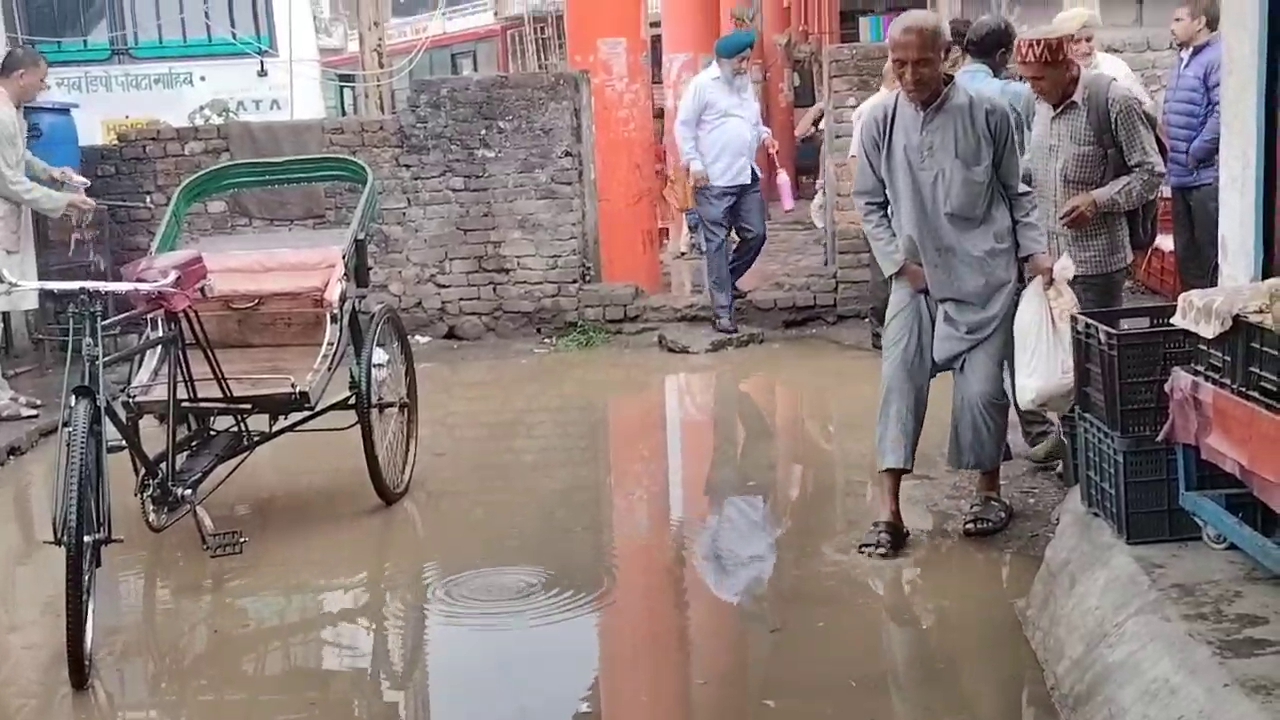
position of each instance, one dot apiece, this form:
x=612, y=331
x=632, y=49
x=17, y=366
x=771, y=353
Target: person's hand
x=770, y=145
x=1079, y=211
x=914, y=275
x=699, y=178
x=1040, y=265
x=81, y=203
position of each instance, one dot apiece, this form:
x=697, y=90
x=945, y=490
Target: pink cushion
x=314, y=272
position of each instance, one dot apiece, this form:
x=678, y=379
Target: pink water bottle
x=784, y=190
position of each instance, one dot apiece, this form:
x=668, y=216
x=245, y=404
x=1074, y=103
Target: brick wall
x=482, y=225
x=852, y=74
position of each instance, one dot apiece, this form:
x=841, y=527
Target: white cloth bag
x=1043, y=367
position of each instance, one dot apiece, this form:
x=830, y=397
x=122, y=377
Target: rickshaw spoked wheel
x=387, y=405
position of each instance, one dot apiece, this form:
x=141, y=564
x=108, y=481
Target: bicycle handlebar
x=76, y=286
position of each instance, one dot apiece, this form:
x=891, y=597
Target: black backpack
x=1142, y=220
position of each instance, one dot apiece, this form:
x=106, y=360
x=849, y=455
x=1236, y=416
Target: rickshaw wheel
x=80, y=543
x=387, y=405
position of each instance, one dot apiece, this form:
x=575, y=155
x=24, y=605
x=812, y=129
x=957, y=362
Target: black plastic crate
x=1220, y=360
x=1070, y=431
x=1132, y=483
x=1260, y=371
x=1123, y=357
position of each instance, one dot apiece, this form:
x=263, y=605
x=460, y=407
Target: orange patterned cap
x=1046, y=45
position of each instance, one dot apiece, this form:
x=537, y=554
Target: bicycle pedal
x=225, y=543
x=116, y=446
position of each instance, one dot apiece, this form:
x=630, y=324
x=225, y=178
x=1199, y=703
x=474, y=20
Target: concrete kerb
x=1112, y=644
x=20, y=440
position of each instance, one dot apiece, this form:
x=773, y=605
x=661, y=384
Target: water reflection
x=582, y=542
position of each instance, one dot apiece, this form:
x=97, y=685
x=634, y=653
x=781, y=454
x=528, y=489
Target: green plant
x=582, y=336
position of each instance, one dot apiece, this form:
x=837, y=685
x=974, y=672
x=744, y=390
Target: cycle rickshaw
x=238, y=338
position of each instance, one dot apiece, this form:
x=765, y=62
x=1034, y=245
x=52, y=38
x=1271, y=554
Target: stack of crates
x=1123, y=358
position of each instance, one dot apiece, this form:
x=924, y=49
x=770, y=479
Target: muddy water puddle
x=589, y=535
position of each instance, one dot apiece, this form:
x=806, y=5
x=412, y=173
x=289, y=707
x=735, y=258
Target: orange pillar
x=608, y=40
x=644, y=667
x=689, y=32
x=724, y=21
x=718, y=652
x=777, y=83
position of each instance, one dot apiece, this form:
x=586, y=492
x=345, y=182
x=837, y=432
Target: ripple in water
x=502, y=598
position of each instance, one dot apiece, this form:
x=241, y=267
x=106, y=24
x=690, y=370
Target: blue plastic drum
x=51, y=133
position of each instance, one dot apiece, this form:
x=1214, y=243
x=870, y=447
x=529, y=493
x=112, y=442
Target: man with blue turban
x=718, y=130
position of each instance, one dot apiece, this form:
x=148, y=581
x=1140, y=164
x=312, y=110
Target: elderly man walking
x=1192, y=122
x=719, y=129
x=949, y=222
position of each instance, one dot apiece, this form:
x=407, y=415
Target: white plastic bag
x=1043, y=369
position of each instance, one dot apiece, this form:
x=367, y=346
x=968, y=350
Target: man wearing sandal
x=22, y=78
x=949, y=221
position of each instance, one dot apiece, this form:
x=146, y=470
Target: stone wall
x=482, y=224
x=1149, y=52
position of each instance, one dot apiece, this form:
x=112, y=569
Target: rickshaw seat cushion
x=293, y=272
x=188, y=264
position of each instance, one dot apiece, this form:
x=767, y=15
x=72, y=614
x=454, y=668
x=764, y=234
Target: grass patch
x=583, y=336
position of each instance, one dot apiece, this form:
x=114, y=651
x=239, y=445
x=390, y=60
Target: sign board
x=452, y=19
x=115, y=97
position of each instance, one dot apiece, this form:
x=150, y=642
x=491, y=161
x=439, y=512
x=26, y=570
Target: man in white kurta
x=22, y=77
x=1084, y=23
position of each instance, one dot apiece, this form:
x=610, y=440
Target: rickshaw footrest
x=225, y=543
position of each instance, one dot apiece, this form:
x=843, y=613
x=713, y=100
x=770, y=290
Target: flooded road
x=589, y=535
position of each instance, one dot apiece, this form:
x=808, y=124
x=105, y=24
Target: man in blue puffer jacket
x=1191, y=121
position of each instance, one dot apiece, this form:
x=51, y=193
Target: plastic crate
x=1132, y=483
x=1220, y=360
x=1259, y=373
x=1070, y=431
x=1157, y=271
x=1123, y=357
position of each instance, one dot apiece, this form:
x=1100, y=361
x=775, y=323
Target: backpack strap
x=1097, y=93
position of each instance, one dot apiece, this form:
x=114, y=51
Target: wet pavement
x=629, y=536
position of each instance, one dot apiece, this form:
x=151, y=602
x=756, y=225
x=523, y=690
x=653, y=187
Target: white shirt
x=719, y=128
x=1120, y=70
x=859, y=113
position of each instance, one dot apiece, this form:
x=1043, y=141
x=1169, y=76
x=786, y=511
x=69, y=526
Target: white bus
x=130, y=63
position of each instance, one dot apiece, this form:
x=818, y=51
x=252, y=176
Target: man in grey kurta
x=22, y=77
x=948, y=219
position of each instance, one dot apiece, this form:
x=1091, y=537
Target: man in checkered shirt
x=1082, y=213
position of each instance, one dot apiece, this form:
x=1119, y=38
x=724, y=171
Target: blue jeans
x=740, y=209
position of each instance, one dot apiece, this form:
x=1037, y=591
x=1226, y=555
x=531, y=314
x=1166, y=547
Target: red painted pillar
x=609, y=41
x=777, y=83
x=724, y=22
x=689, y=32
x=644, y=671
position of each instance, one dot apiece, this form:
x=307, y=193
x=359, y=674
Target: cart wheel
x=387, y=405
x=1214, y=539
x=81, y=535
